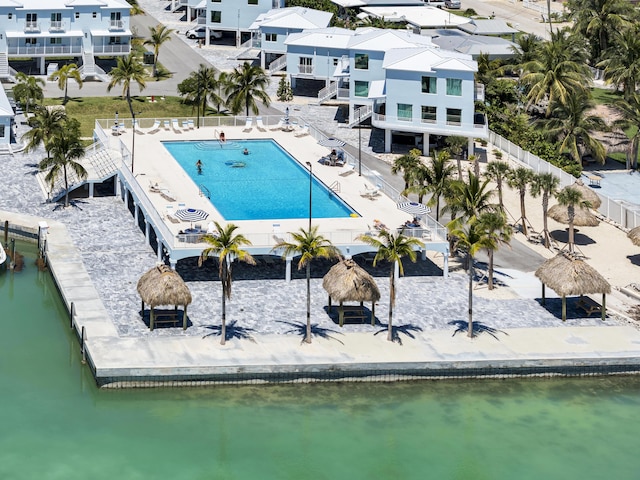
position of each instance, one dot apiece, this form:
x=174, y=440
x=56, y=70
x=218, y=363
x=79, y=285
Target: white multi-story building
x=6, y=119
x=406, y=84
x=81, y=29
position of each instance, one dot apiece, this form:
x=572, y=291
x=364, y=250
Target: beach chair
x=348, y=170
x=167, y=125
x=155, y=128
x=278, y=125
x=175, y=125
x=369, y=192
x=136, y=127
x=185, y=124
x=171, y=214
x=303, y=131
x=259, y=125
x=121, y=128
x=249, y=125
x=191, y=124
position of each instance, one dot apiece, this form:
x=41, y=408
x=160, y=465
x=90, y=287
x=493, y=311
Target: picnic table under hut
x=346, y=281
x=163, y=286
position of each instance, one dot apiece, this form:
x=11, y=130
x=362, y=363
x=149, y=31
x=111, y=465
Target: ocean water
x=56, y=424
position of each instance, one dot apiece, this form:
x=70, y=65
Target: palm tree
x=246, y=84
x=524, y=51
x=227, y=246
x=545, y=184
x=519, y=179
x=621, y=61
x=406, y=164
x=471, y=198
x=65, y=148
x=471, y=238
x=630, y=109
x=455, y=143
x=498, y=231
x=572, y=126
x=158, y=35
x=557, y=72
x=202, y=87
x=571, y=198
x=28, y=89
x=63, y=74
x=309, y=245
x=45, y=123
x=498, y=172
x=438, y=177
x=392, y=248
x=128, y=69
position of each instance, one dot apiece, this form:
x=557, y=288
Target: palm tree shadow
x=398, y=329
x=478, y=328
x=232, y=331
x=72, y=203
x=317, y=330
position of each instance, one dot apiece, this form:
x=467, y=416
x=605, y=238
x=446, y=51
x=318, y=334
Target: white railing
x=462, y=127
x=278, y=64
x=328, y=92
x=49, y=50
x=57, y=26
x=121, y=48
x=360, y=114
x=31, y=27
x=116, y=25
x=620, y=212
x=305, y=69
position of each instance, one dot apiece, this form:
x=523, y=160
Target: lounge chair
x=369, y=192
x=171, y=215
x=136, y=127
x=166, y=124
x=191, y=124
x=349, y=169
x=175, y=125
x=155, y=128
x=249, y=125
x=122, y=128
x=259, y=125
x=278, y=126
x=303, y=131
x=185, y=124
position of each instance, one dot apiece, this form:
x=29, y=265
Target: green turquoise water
x=55, y=424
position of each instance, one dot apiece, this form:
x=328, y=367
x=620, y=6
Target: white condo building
x=44, y=29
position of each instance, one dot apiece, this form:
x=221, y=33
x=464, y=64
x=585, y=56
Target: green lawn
x=87, y=109
x=605, y=96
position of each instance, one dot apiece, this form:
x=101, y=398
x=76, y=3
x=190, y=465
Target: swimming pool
x=266, y=184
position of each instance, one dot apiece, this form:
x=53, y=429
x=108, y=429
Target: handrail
x=335, y=186
x=204, y=191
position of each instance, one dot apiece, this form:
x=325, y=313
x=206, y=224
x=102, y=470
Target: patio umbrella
x=191, y=214
x=331, y=142
x=633, y=235
x=583, y=216
x=588, y=194
x=413, y=208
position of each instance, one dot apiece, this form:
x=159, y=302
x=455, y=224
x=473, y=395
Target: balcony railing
x=123, y=48
x=31, y=27
x=478, y=127
x=116, y=25
x=30, y=50
x=57, y=26
x=305, y=69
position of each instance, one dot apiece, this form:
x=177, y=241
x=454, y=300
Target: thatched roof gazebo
x=163, y=286
x=568, y=275
x=346, y=281
x=634, y=236
x=583, y=216
x=588, y=194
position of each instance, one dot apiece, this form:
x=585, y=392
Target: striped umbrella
x=413, y=208
x=331, y=142
x=191, y=214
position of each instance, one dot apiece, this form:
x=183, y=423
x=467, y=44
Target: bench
x=588, y=305
x=163, y=316
x=353, y=312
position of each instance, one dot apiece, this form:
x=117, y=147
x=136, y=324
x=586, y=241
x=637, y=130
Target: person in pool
x=222, y=137
x=246, y=151
x=199, y=167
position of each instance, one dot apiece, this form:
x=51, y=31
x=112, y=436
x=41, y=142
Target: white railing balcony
x=123, y=48
x=30, y=50
x=201, y=20
x=343, y=93
x=479, y=92
x=305, y=69
x=57, y=26
x=31, y=27
x=450, y=126
x=116, y=25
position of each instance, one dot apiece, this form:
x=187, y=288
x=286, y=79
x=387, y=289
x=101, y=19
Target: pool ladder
x=335, y=186
x=204, y=191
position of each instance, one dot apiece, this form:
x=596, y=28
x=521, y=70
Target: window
x=252, y=2
x=31, y=41
x=216, y=1
x=335, y=62
x=361, y=88
x=405, y=112
x=10, y=16
x=362, y=61
x=216, y=17
x=56, y=17
x=429, y=85
x=115, y=16
x=32, y=17
x=305, y=65
x=454, y=86
x=94, y=14
x=454, y=116
x=271, y=37
x=55, y=41
x=77, y=15
x=114, y=40
x=1, y=131
x=429, y=114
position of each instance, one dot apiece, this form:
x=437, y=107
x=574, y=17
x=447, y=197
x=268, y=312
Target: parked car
x=201, y=31
x=452, y=4
x=434, y=3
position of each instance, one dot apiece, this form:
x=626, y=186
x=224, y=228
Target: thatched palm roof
x=583, y=217
x=571, y=276
x=634, y=236
x=163, y=286
x=587, y=194
x=348, y=282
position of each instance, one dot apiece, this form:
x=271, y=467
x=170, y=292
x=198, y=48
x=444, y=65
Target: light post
x=359, y=143
x=133, y=140
x=116, y=128
x=310, y=189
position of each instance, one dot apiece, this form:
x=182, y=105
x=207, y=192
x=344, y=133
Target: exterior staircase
x=360, y=114
x=89, y=69
x=6, y=72
x=278, y=64
x=328, y=92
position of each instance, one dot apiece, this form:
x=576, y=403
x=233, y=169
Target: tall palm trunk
x=392, y=300
x=66, y=97
x=224, y=279
x=545, y=223
x=571, y=214
x=307, y=338
x=490, y=273
x=499, y=186
x=66, y=186
x=523, y=212
x=470, y=332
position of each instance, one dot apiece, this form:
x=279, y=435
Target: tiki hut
x=634, y=236
x=582, y=217
x=588, y=194
x=163, y=286
x=348, y=282
x=568, y=275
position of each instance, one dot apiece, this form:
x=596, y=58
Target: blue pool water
x=266, y=184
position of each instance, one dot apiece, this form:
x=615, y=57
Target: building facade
x=236, y=16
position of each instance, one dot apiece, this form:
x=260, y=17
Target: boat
x=3, y=255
